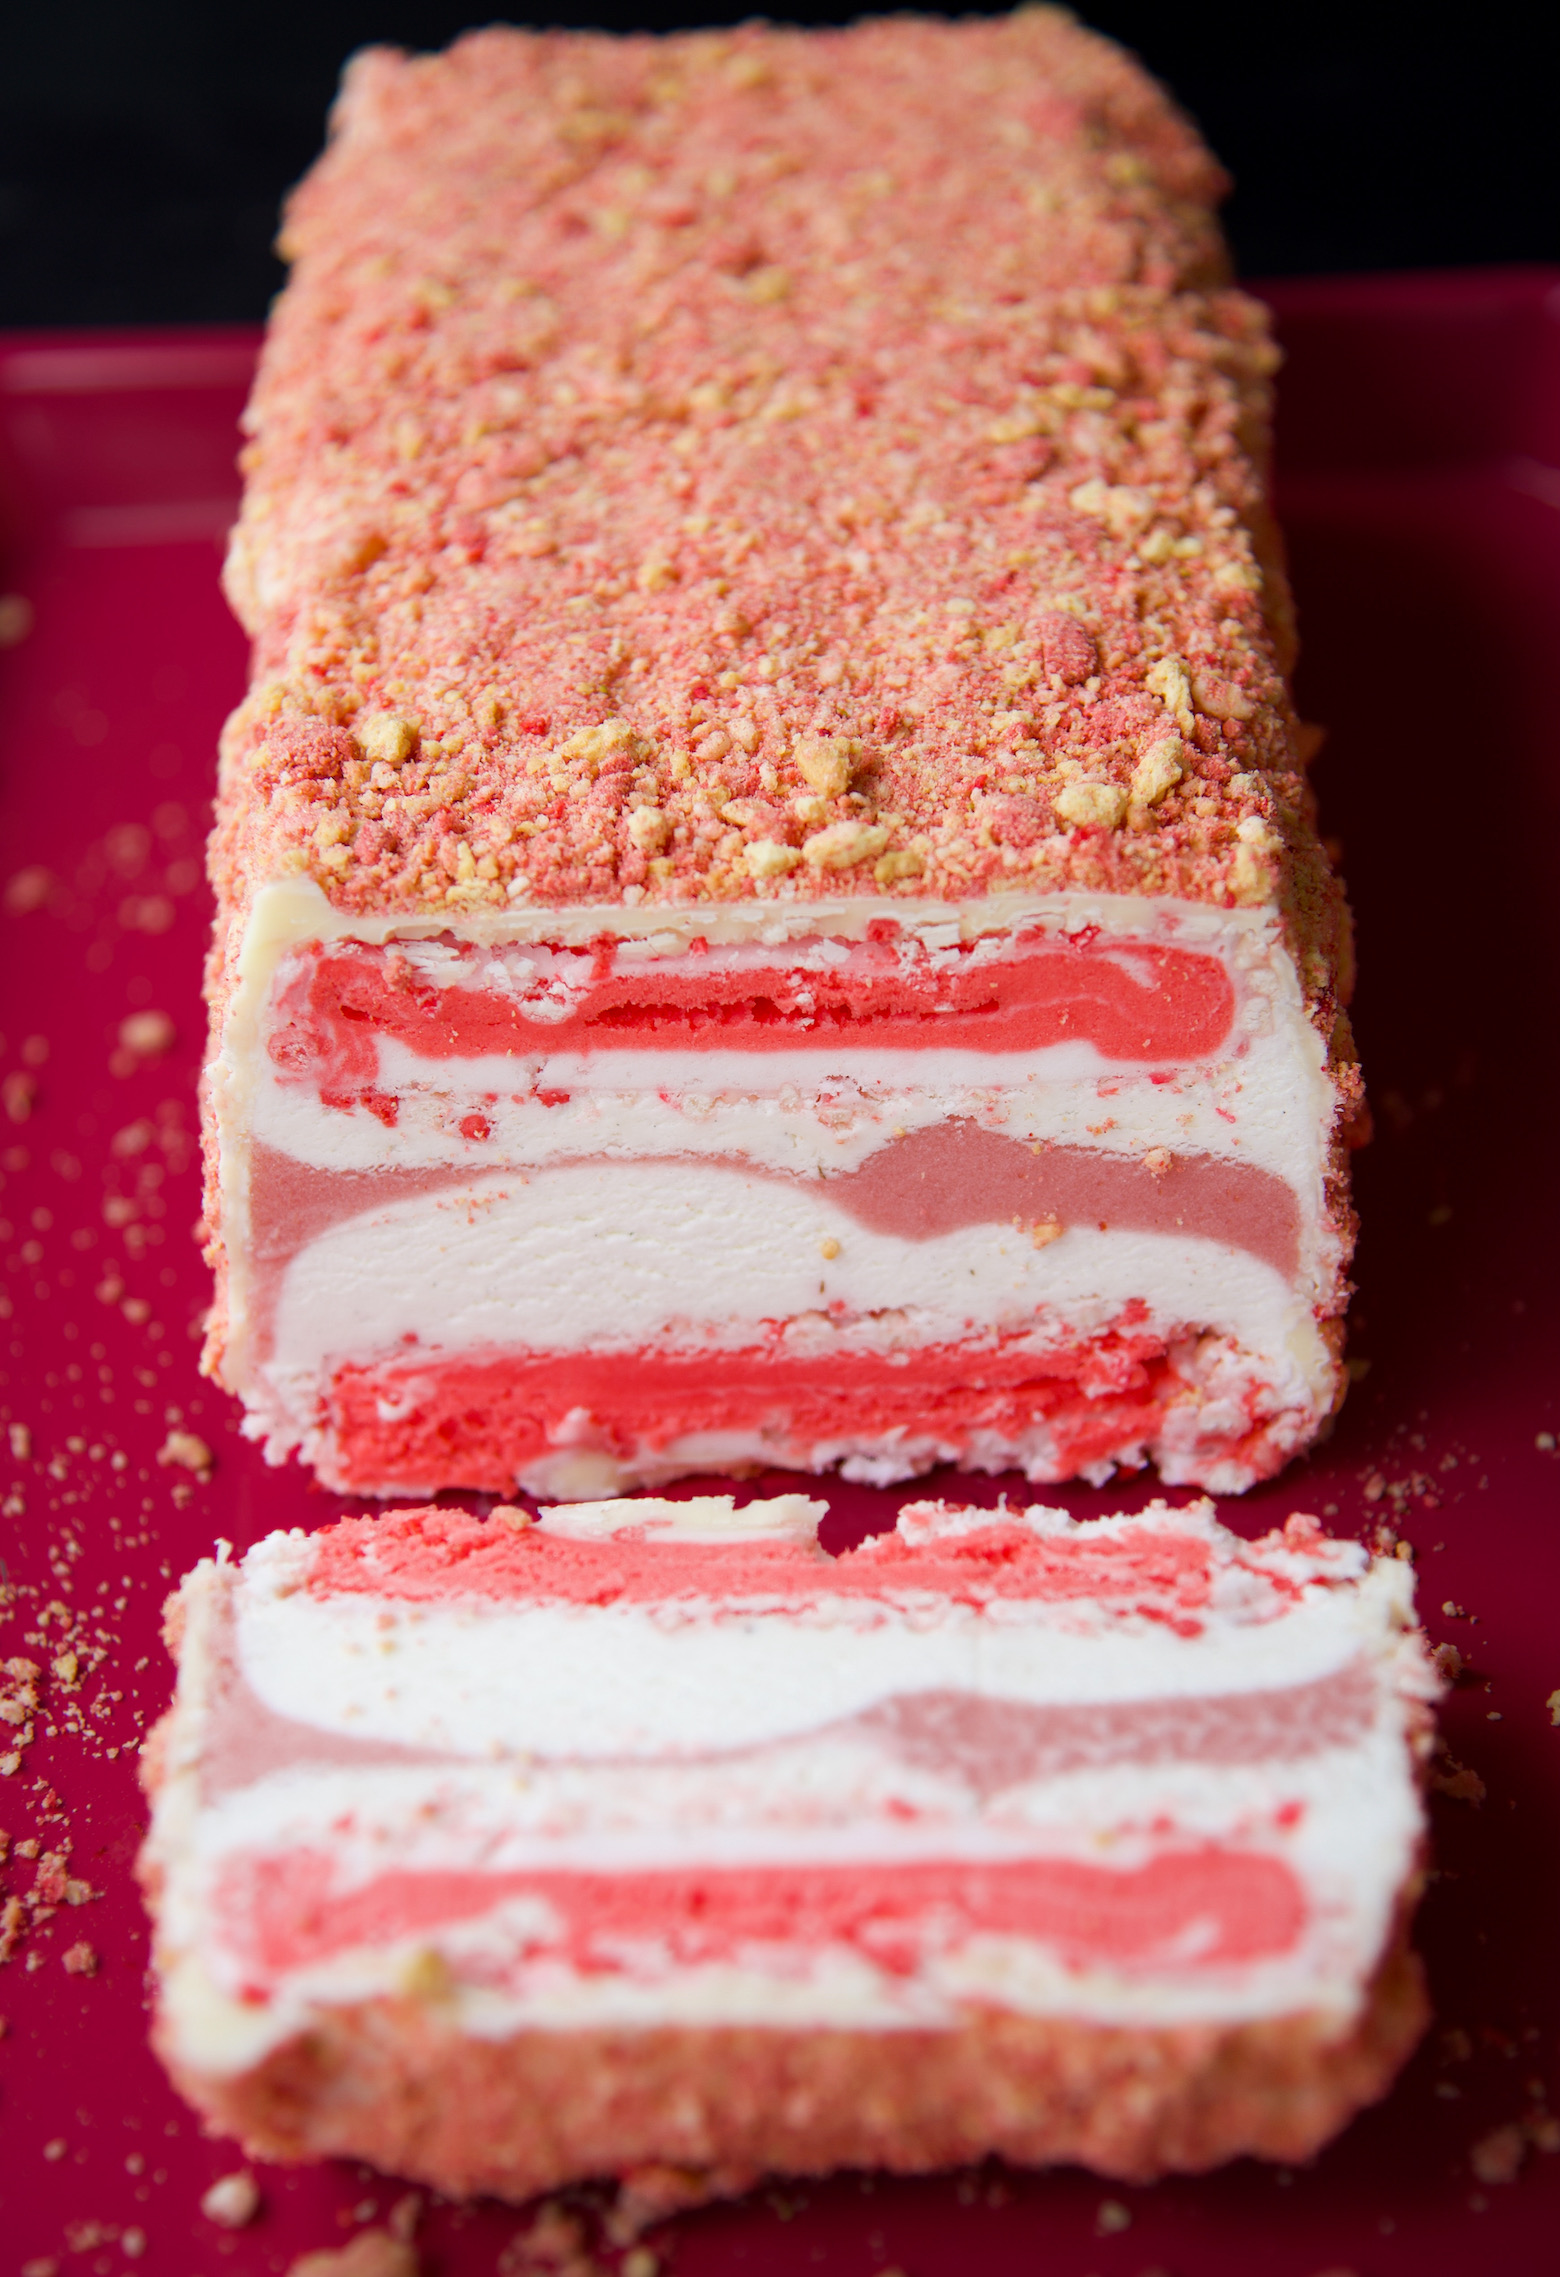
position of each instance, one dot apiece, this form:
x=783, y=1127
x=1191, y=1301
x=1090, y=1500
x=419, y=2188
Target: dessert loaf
x=767, y=906
x=505, y=1854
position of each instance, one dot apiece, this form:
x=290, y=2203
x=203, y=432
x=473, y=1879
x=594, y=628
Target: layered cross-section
x=768, y=907
x=505, y=1853
x=1043, y=1185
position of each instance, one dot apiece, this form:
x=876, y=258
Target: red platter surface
x=1419, y=480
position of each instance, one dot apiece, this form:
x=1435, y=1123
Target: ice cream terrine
x=768, y=906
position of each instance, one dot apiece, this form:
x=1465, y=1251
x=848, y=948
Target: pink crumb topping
x=483, y=1419
x=757, y=463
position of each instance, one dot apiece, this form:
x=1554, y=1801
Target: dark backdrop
x=144, y=144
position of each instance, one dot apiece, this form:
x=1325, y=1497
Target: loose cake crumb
x=18, y=1094
x=232, y=2201
x=387, y=739
x=27, y=890
x=16, y=619
x=404, y=2216
x=86, y=2236
x=147, y=1035
x=190, y=1453
x=1458, y=1783
x=1158, y=770
x=767, y=858
x=843, y=844
x=372, y=2253
x=1498, y=2156
x=555, y=2243
x=1092, y=806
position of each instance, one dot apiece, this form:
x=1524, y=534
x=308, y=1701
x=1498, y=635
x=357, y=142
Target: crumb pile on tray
x=768, y=909
x=504, y=1854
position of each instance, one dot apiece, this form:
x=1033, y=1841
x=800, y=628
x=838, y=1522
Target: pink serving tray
x=1420, y=483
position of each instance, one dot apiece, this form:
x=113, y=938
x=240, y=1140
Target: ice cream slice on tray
x=768, y=909
x=505, y=1853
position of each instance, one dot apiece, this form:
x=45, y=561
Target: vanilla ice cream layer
x=804, y=1111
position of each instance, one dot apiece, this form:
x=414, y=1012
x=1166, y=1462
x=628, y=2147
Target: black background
x=145, y=144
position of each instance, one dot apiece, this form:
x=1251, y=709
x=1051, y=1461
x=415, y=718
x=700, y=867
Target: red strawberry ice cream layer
x=1188, y=1909
x=415, y=1422
x=430, y=1556
x=1133, y=1001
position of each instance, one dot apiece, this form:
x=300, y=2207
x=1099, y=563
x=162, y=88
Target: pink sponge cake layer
x=767, y=847
x=507, y=1853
